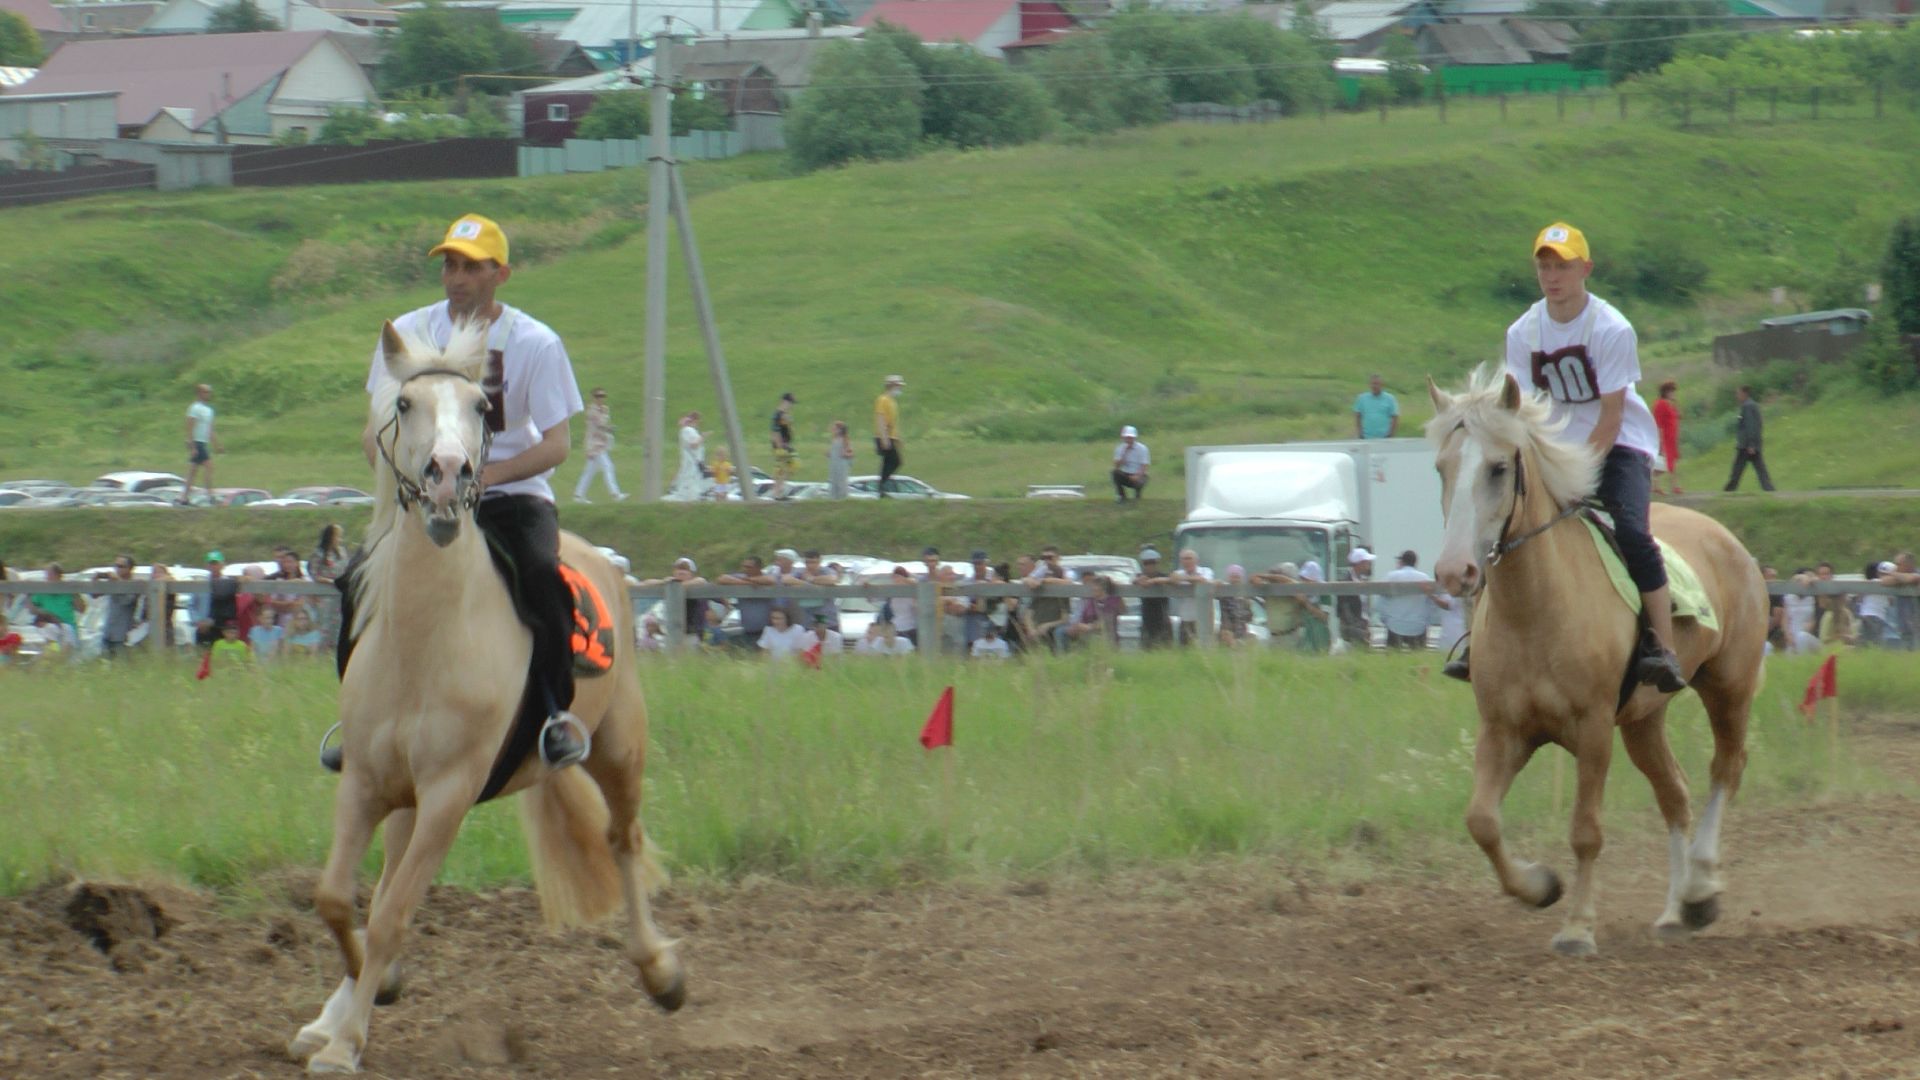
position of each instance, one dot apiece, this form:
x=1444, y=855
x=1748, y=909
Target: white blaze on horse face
x=1458, y=566
x=450, y=454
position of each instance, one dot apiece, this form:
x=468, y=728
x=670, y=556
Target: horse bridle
x=1503, y=546
x=409, y=493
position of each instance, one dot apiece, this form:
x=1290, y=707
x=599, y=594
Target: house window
x=557, y=112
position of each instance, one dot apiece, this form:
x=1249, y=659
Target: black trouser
x=889, y=460
x=1122, y=482
x=1626, y=487
x=523, y=536
x=1740, y=459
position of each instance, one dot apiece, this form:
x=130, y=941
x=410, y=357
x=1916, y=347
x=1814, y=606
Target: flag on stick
x=938, y=730
x=1825, y=683
x=206, y=665
x=811, y=656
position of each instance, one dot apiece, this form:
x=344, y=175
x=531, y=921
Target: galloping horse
x=1551, y=642
x=432, y=691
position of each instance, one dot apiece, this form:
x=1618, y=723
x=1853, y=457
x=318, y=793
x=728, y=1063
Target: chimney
x=813, y=24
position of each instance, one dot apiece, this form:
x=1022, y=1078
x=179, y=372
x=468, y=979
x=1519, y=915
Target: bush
x=20, y=44
x=1286, y=67
x=1406, y=77
x=863, y=103
x=350, y=127
x=972, y=101
x=1095, y=91
x=1198, y=68
x=1662, y=273
x=1886, y=363
x=1900, y=275
x=240, y=17
x=436, y=46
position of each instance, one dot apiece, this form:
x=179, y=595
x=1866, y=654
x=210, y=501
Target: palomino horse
x=1551, y=642
x=432, y=691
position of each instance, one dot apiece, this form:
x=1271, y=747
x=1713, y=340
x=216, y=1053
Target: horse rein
x=409, y=493
x=1503, y=546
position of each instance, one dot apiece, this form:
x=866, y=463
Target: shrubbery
x=1839, y=65
x=628, y=114
x=422, y=119
x=863, y=103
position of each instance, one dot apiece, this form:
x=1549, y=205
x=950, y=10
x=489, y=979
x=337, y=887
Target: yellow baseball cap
x=475, y=237
x=1563, y=240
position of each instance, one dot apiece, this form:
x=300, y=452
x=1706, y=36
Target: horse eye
x=481, y=406
x=1497, y=471
x=402, y=405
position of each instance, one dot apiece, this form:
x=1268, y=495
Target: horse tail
x=565, y=821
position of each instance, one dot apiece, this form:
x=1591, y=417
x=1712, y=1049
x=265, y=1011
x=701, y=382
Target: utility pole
x=710, y=334
x=659, y=194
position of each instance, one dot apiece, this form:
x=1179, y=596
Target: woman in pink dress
x=1666, y=417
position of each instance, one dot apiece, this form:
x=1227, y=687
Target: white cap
x=786, y=553
x=896, y=380
x=1359, y=556
x=1310, y=571
x=1148, y=554
x=686, y=562
x=1887, y=568
x=1128, y=431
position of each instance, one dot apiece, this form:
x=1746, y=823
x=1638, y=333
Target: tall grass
x=1079, y=765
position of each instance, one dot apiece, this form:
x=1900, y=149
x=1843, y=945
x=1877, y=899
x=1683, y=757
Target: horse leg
x=354, y=818
x=1646, y=743
x=615, y=766
x=1498, y=756
x=1592, y=753
x=395, y=835
x=436, y=824
x=1728, y=710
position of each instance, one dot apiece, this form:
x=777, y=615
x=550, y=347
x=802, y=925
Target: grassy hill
x=1207, y=283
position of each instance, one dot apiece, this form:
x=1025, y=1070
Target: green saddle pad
x=1689, y=598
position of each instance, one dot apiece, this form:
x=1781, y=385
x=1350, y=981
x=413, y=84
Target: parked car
x=327, y=493
x=39, y=488
x=239, y=496
x=1056, y=491
x=11, y=497
x=273, y=504
x=134, y=480
x=103, y=497
x=898, y=486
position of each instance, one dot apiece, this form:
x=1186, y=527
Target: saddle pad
x=1689, y=597
x=593, y=629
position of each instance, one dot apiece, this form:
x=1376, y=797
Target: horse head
x=1494, y=444
x=430, y=423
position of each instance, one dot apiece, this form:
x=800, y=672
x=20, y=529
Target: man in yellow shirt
x=886, y=429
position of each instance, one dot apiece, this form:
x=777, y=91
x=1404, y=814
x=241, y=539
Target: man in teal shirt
x=1376, y=415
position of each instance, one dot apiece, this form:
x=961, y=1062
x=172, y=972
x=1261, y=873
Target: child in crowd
x=304, y=638
x=266, y=635
x=232, y=647
x=990, y=645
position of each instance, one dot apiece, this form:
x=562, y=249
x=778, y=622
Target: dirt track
x=1247, y=970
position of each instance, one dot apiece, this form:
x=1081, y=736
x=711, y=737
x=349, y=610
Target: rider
x=1581, y=352
x=530, y=385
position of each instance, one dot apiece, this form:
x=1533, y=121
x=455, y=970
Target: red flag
x=206, y=665
x=939, y=728
x=1825, y=683
x=811, y=656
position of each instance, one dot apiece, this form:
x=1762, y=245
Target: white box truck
x=1290, y=502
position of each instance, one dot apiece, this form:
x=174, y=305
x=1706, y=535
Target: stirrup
x=1457, y=667
x=564, y=721
x=330, y=756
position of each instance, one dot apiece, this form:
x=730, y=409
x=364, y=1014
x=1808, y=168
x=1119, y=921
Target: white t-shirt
x=537, y=386
x=1875, y=606
x=784, y=643
x=831, y=643
x=201, y=414
x=1578, y=363
x=992, y=647
x=1133, y=458
x=1799, y=612
x=1453, y=622
x=1407, y=615
x=904, y=617
x=693, y=445
x=1188, y=609
x=878, y=647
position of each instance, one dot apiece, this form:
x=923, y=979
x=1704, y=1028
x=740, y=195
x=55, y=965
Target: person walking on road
x=1746, y=445
x=1376, y=414
x=599, y=449
x=886, y=429
x=202, y=443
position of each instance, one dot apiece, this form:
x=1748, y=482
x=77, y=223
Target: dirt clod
x=111, y=915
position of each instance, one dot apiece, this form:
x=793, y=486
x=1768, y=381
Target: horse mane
x=465, y=348
x=1568, y=471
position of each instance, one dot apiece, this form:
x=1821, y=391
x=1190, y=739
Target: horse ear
x=393, y=350
x=1442, y=401
x=1510, y=395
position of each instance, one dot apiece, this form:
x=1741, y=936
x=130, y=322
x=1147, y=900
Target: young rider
x=1582, y=353
x=530, y=385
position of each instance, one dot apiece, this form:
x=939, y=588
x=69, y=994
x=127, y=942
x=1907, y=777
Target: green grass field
x=1210, y=283
x=1076, y=766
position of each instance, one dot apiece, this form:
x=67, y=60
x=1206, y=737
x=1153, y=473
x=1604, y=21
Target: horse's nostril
x=466, y=470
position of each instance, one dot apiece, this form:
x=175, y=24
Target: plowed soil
x=1249, y=969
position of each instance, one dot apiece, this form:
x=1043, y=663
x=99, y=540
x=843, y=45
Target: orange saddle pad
x=593, y=627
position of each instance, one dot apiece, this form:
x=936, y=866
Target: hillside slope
x=1207, y=283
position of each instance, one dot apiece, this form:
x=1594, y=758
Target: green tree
x=1284, y=66
x=240, y=17
x=971, y=101
x=863, y=102
x=435, y=45
x=1197, y=68
x=350, y=127
x=1900, y=275
x=1406, y=76
x=1314, y=32
x=628, y=114
x=19, y=45
x=1640, y=36
x=1096, y=92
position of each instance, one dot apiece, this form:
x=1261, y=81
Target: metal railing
x=927, y=595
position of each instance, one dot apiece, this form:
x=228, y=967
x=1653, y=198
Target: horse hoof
x=1700, y=914
x=1575, y=946
x=1553, y=891
x=306, y=1044
x=674, y=996
x=1672, y=933
x=391, y=986
x=334, y=1064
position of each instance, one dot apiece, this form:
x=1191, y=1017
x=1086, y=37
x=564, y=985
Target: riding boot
x=1658, y=666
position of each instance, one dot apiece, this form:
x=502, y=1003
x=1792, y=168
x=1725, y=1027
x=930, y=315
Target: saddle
x=593, y=629
x=1688, y=596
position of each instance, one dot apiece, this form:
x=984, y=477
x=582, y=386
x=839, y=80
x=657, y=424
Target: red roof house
x=986, y=25
x=239, y=88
